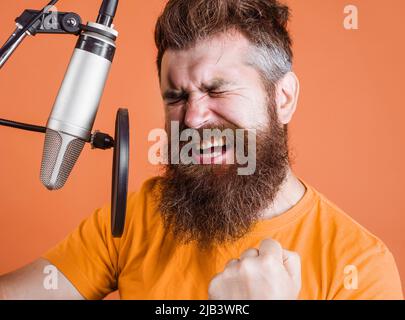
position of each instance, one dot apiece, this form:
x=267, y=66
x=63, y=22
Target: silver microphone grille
x=61, y=152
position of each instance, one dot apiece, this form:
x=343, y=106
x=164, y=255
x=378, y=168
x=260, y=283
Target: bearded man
x=201, y=230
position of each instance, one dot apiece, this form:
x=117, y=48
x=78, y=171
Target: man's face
x=211, y=86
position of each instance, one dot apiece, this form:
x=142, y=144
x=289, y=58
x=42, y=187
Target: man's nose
x=197, y=112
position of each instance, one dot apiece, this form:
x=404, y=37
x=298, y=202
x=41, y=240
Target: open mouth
x=211, y=152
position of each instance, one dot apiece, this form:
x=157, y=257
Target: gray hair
x=272, y=62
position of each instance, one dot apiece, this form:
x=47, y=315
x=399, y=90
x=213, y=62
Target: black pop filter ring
x=120, y=167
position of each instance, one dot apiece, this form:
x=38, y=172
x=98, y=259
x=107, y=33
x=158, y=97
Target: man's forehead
x=211, y=59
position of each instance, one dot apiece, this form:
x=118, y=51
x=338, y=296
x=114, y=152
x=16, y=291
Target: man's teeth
x=211, y=144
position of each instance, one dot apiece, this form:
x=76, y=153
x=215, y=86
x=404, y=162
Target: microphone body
x=71, y=120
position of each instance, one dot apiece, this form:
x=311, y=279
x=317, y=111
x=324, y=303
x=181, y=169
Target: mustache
x=200, y=130
x=219, y=127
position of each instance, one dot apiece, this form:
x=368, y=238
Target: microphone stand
x=44, y=21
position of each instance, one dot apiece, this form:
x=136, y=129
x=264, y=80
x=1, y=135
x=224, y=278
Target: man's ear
x=287, y=92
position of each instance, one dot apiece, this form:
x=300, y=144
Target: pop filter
x=120, y=173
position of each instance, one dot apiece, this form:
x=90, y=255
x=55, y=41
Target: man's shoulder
x=341, y=227
x=348, y=246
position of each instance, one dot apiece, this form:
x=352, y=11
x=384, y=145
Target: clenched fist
x=270, y=273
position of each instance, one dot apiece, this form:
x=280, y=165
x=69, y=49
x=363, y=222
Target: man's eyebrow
x=212, y=85
x=217, y=83
x=173, y=94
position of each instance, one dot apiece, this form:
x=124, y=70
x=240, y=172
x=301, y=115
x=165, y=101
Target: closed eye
x=216, y=93
x=174, y=102
x=173, y=98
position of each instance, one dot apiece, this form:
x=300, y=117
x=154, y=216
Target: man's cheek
x=174, y=113
x=240, y=116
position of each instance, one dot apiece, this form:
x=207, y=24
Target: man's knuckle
x=216, y=279
x=296, y=257
x=246, y=265
x=269, y=260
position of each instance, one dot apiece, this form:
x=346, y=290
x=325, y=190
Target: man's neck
x=290, y=193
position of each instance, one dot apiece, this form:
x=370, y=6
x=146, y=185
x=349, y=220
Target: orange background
x=347, y=135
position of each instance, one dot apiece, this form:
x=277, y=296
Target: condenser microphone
x=71, y=120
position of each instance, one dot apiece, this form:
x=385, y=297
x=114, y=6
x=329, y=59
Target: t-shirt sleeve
x=88, y=256
x=371, y=276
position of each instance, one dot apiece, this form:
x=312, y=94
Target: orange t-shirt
x=340, y=259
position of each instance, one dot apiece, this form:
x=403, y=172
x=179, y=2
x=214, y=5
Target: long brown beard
x=210, y=206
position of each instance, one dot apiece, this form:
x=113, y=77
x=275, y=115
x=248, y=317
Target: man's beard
x=212, y=204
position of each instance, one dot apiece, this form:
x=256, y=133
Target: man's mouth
x=212, y=152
